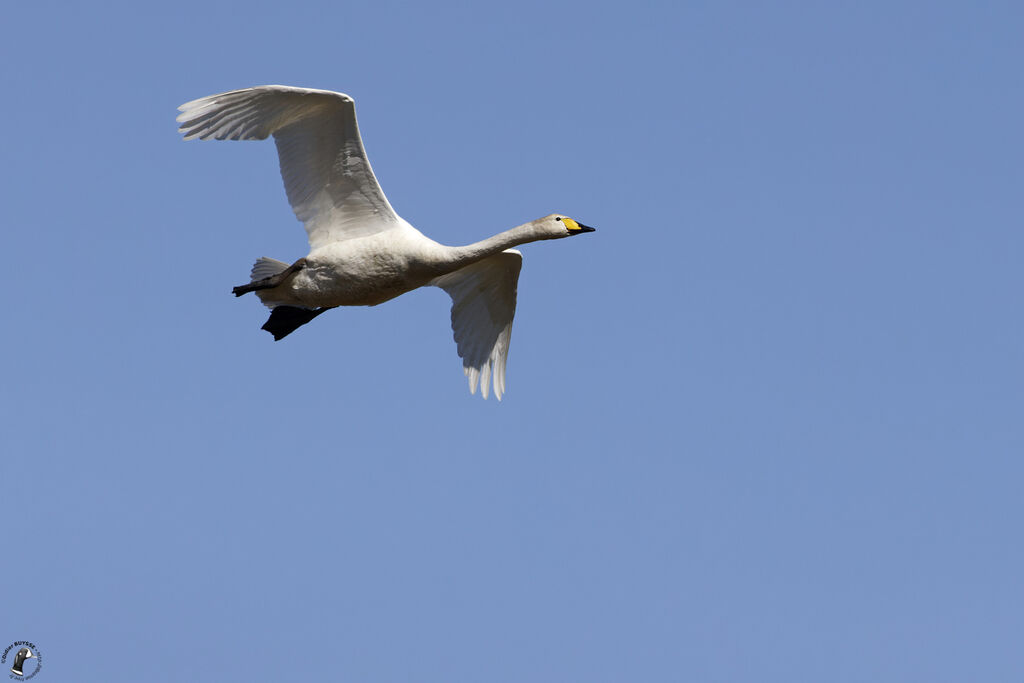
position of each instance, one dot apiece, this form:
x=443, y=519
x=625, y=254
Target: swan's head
x=558, y=225
x=25, y=653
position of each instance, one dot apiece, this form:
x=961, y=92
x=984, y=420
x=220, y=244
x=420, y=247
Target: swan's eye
x=558, y=218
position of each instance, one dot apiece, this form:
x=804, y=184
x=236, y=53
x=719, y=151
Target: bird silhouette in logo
x=19, y=661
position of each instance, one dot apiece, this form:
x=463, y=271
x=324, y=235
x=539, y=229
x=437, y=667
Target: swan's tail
x=268, y=273
x=284, y=320
x=266, y=267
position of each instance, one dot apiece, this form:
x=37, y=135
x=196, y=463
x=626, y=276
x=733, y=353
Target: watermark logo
x=26, y=662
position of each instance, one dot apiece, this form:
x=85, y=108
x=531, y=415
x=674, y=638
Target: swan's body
x=363, y=271
x=362, y=252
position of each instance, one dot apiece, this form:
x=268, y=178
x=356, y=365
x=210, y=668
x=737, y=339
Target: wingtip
x=487, y=380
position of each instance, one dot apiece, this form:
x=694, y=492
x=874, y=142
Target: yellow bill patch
x=570, y=224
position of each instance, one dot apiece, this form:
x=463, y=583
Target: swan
x=362, y=253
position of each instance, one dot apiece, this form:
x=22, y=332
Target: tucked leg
x=272, y=281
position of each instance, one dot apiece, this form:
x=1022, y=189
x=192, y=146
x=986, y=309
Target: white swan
x=361, y=252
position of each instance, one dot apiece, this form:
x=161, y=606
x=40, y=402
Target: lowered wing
x=483, y=305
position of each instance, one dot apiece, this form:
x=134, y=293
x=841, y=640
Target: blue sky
x=764, y=425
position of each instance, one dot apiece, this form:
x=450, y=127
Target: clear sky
x=765, y=425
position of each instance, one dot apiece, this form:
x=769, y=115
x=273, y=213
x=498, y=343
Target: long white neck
x=457, y=257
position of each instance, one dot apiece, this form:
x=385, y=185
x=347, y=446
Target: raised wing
x=327, y=176
x=483, y=305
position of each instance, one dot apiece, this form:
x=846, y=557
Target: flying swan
x=362, y=253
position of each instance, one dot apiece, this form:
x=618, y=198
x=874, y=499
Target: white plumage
x=362, y=253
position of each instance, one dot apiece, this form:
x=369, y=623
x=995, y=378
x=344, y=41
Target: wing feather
x=483, y=306
x=327, y=177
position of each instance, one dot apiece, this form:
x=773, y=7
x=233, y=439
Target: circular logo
x=24, y=658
